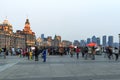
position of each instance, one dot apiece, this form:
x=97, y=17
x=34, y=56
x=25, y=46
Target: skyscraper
x=88, y=40
x=42, y=36
x=104, y=41
x=110, y=41
x=82, y=43
x=94, y=39
x=98, y=41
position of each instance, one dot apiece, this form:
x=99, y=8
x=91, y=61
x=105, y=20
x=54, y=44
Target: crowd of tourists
x=90, y=52
x=87, y=52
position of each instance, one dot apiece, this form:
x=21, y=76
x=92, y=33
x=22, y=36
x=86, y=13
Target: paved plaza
x=59, y=68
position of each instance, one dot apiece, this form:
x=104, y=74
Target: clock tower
x=29, y=35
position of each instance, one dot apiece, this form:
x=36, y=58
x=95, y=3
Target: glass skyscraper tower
x=104, y=44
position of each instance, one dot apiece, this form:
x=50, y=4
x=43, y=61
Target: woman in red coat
x=77, y=52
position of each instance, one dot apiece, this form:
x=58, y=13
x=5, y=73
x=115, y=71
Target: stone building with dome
x=19, y=39
x=30, y=38
x=6, y=33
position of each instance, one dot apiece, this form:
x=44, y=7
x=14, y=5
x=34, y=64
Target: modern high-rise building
x=115, y=44
x=82, y=43
x=104, y=41
x=94, y=39
x=110, y=41
x=98, y=41
x=42, y=36
x=88, y=40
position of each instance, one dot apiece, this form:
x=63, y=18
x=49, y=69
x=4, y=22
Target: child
x=30, y=55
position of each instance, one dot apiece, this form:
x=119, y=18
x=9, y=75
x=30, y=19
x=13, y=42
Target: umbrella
x=91, y=44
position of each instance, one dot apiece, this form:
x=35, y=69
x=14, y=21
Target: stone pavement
x=59, y=68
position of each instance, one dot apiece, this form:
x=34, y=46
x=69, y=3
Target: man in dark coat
x=36, y=53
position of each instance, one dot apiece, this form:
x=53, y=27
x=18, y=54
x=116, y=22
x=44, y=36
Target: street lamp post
x=119, y=43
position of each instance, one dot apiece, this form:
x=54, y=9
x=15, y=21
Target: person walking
x=83, y=52
x=116, y=52
x=110, y=52
x=44, y=55
x=71, y=51
x=86, y=52
x=77, y=52
x=31, y=54
x=36, y=53
x=27, y=52
x=61, y=51
x=93, y=53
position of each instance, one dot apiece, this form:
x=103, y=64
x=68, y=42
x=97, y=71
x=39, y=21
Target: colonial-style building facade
x=30, y=38
x=18, y=39
x=55, y=42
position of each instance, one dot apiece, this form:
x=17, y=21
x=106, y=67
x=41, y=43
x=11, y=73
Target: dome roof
x=6, y=22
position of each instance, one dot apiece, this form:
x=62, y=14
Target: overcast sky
x=71, y=19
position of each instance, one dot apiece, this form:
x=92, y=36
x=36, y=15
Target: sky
x=71, y=19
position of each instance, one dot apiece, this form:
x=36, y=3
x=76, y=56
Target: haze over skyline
x=71, y=19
